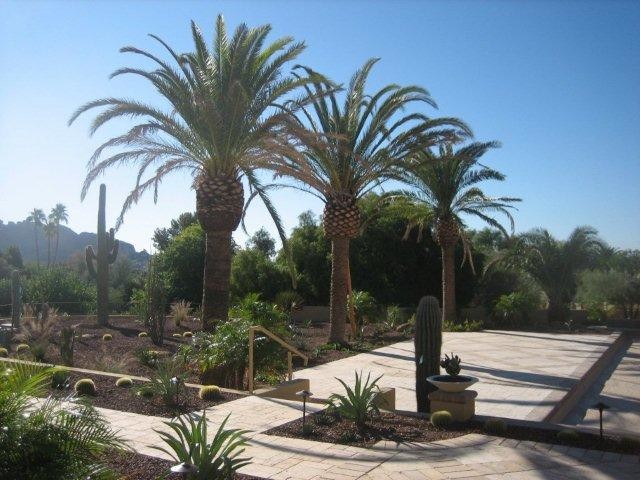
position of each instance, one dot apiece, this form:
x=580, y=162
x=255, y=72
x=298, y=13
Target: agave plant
x=223, y=126
x=350, y=150
x=358, y=403
x=217, y=459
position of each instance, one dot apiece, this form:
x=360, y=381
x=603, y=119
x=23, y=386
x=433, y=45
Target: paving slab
x=522, y=374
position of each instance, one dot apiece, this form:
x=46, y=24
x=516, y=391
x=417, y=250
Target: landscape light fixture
x=176, y=381
x=601, y=407
x=304, y=394
x=184, y=469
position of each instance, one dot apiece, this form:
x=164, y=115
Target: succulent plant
x=124, y=382
x=143, y=335
x=60, y=379
x=177, y=335
x=451, y=364
x=22, y=348
x=187, y=334
x=107, y=252
x=428, y=345
x=107, y=337
x=441, y=419
x=209, y=393
x=85, y=386
x=4, y=352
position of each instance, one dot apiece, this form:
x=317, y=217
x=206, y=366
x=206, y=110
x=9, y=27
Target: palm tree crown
x=58, y=215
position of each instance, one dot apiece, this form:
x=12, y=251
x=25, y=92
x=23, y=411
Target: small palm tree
x=554, y=264
x=445, y=187
x=351, y=149
x=37, y=217
x=224, y=125
x=58, y=215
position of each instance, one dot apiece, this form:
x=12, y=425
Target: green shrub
x=187, y=334
x=124, y=382
x=307, y=429
x=4, y=352
x=364, y=306
x=85, y=386
x=215, y=459
x=359, y=402
x=516, y=308
x=143, y=335
x=494, y=426
x=209, y=393
x=568, y=436
x=168, y=382
x=62, y=288
x=22, y=348
x=107, y=337
x=60, y=379
x=145, y=391
x=441, y=419
x=466, y=326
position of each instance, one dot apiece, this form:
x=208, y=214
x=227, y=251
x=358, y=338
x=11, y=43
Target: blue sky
x=558, y=83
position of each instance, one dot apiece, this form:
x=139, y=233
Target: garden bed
x=134, y=466
x=406, y=429
x=108, y=395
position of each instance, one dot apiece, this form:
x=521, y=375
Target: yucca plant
x=358, y=403
x=167, y=382
x=351, y=146
x=223, y=125
x=217, y=459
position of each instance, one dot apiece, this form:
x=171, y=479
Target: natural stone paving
x=471, y=456
x=522, y=374
x=622, y=393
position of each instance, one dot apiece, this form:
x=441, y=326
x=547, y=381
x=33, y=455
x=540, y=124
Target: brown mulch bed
x=134, y=466
x=125, y=399
x=405, y=429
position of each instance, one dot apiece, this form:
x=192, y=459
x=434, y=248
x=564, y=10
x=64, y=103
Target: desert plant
x=177, y=335
x=85, y=386
x=4, y=352
x=217, y=459
x=106, y=361
x=60, y=379
x=494, y=426
x=67, y=344
x=209, y=393
x=187, y=334
x=358, y=403
x=107, y=337
x=22, y=348
x=451, y=364
x=107, y=251
x=568, y=436
x=441, y=419
x=156, y=303
x=167, y=382
x=143, y=335
x=145, y=391
x=124, y=382
x=428, y=346
x=180, y=311
x=38, y=330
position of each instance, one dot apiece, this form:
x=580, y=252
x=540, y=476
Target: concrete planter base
x=461, y=405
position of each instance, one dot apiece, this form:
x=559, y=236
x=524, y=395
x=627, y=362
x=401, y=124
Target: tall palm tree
x=224, y=124
x=58, y=215
x=49, y=229
x=444, y=188
x=37, y=217
x=554, y=264
x=351, y=149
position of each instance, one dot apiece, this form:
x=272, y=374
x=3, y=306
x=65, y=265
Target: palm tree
x=350, y=150
x=224, y=124
x=50, y=231
x=37, y=217
x=58, y=215
x=554, y=264
x=445, y=187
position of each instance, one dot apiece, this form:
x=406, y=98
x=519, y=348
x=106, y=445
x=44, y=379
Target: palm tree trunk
x=48, y=251
x=339, y=287
x=217, y=273
x=557, y=312
x=35, y=235
x=448, y=283
x=55, y=252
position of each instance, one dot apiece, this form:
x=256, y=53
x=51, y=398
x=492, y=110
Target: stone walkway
x=621, y=392
x=472, y=456
x=522, y=374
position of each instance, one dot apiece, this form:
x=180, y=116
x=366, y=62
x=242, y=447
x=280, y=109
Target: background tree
x=262, y=241
x=49, y=229
x=444, y=188
x=37, y=217
x=554, y=264
x=222, y=128
x=58, y=215
x=163, y=236
x=351, y=149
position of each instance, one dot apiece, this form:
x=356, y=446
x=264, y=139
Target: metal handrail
x=291, y=350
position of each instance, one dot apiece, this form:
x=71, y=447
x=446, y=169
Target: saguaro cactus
x=428, y=345
x=16, y=299
x=106, y=255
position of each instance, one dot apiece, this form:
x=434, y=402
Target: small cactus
x=60, y=379
x=4, y=352
x=124, y=382
x=143, y=335
x=177, y=335
x=428, y=345
x=209, y=393
x=187, y=334
x=22, y=348
x=85, y=386
x=451, y=364
x=107, y=337
x=441, y=419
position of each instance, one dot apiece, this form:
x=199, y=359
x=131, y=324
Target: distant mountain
x=21, y=235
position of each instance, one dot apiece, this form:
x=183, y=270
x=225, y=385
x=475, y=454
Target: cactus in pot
x=107, y=251
x=428, y=345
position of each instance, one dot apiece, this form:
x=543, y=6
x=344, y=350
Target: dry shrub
x=180, y=311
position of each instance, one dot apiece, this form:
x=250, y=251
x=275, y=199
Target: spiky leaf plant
x=358, y=403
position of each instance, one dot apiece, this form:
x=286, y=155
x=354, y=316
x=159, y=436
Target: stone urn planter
x=450, y=383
